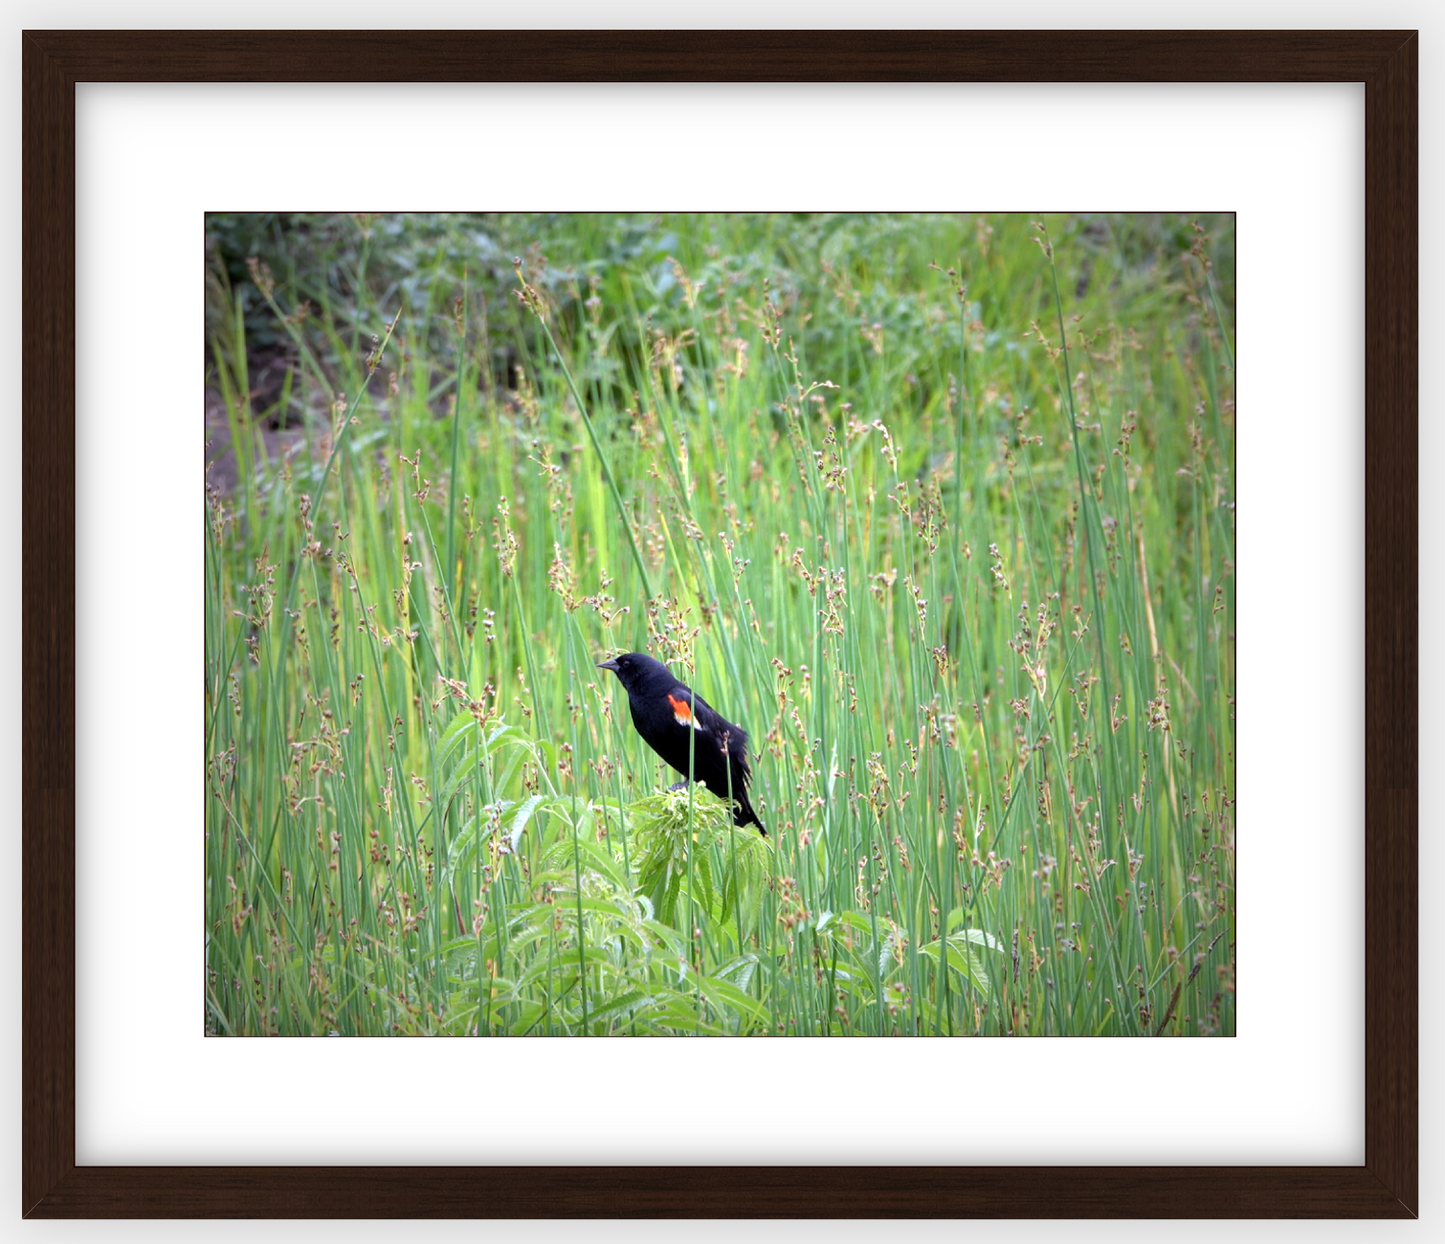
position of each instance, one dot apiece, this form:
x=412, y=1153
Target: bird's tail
x=744, y=815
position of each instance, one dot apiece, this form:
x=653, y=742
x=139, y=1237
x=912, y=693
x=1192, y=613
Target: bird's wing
x=708, y=718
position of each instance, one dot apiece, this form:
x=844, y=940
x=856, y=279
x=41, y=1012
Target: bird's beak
x=608, y=665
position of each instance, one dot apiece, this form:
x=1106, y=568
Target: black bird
x=666, y=714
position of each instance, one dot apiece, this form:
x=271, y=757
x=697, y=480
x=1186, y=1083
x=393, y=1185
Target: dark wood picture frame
x=1385, y=1186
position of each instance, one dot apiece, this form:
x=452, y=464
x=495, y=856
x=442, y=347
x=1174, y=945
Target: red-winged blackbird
x=666, y=714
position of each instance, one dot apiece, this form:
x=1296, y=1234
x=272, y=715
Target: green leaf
x=959, y=953
x=727, y=996
x=523, y=815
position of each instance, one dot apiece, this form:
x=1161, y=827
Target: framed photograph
x=907, y=530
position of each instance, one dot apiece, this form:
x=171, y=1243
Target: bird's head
x=635, y=670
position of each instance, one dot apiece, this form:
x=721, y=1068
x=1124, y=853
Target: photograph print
x=719, y=625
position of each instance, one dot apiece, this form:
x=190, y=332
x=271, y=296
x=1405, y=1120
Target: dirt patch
x=222, y=471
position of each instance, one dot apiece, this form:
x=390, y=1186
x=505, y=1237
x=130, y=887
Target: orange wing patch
x=681, y=710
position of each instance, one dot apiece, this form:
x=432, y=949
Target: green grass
x=939, y=509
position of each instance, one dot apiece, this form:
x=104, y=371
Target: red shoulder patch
x=681, y=710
